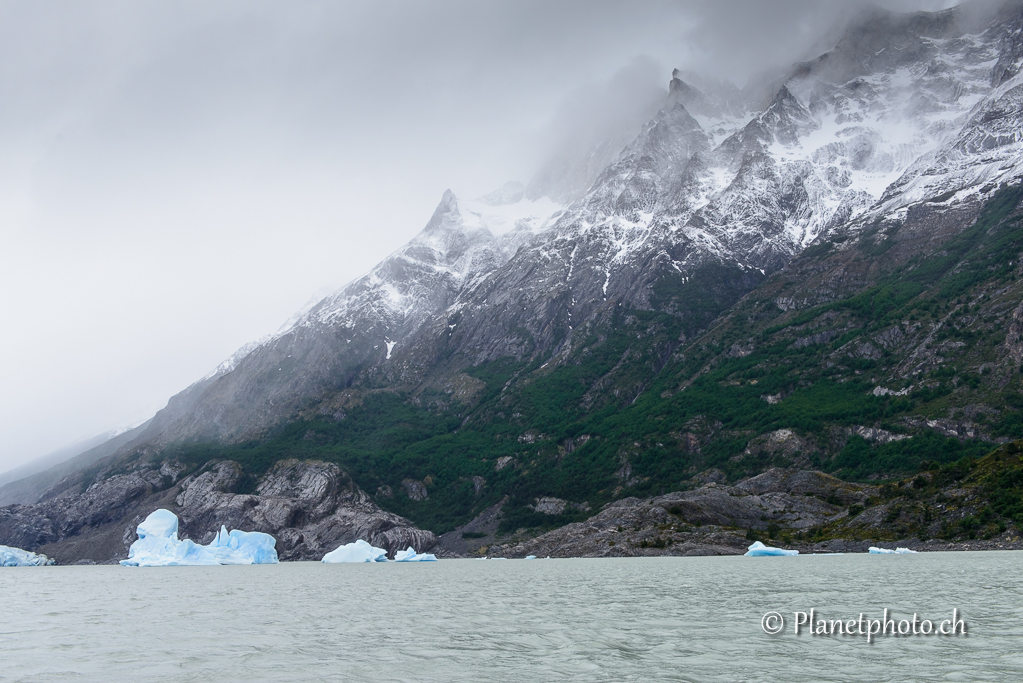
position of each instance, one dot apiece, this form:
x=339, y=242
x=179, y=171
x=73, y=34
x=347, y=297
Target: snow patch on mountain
x=899, y=112
x=464, y=240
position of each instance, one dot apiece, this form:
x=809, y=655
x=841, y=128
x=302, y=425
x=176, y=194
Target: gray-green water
x=653, y=619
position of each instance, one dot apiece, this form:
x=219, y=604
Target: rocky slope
x=27, y=488
x=355, y=332
x=806, y=510
x=309, y=507
x=710, y=520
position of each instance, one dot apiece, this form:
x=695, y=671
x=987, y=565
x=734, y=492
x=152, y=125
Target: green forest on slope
x=671, y=410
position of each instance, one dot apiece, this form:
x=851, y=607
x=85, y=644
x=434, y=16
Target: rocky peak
x=787, y=119
x=444, y=215
x=681, y=93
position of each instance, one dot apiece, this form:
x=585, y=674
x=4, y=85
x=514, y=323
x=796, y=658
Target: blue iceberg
x=411, y=555
x=158, y=546
x=16, y=557
x=360, y=551
x=244, y=547
x=758, y=549
x=887, y=551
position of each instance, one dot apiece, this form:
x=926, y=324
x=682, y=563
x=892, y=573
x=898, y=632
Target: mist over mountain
x=168, y=168
x=818, y=270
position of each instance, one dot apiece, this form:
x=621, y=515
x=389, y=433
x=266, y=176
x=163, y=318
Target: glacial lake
x=629, y=619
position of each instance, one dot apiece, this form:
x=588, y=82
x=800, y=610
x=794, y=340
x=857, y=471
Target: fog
x=178, y=178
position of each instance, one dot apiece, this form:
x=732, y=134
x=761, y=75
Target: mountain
x=26, y=484
x=825, y=278
x=354, y=332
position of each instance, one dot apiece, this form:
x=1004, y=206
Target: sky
x=178, y=178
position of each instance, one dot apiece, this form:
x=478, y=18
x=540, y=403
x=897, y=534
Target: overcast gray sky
x=177, y=178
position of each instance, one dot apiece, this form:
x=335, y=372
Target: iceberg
x=411, y=555
x=530, y=557
x=244, y=547
x=887, y=551
x=158, y=546
x=360, y=551
x=758, y=549
x=16, y=557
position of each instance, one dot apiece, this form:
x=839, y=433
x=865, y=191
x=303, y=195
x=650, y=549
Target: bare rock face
x=309, y=507
x=66, y=510
x=805, y=483
x=711, y=520
x=550, y=506
x=24, y=526
x=414, y=489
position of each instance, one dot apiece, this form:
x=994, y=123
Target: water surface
x=636, y=619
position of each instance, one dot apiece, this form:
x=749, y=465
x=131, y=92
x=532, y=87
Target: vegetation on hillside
x=872, y=386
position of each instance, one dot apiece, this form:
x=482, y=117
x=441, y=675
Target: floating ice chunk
x=158, y=546
x=360, y=551
x=244, y=547
x=758, y=549
x=156, y=551
x=16, y=557
x=887, y=551
x=411, y=555
x=530, y=557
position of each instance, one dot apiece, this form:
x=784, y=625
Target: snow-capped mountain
x=325, y=348
x=905, y=109
x=463, y=242
x=899, y=99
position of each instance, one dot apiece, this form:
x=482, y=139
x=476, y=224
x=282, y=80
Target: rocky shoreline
x=787, y=508
x=311, y=507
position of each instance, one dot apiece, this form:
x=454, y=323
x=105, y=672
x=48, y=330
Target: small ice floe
x=158, y=546
x=16, y=557
x=530, y=557
x=758, y=549
x=411, y=555
x=360, y=551
x=888, y=551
